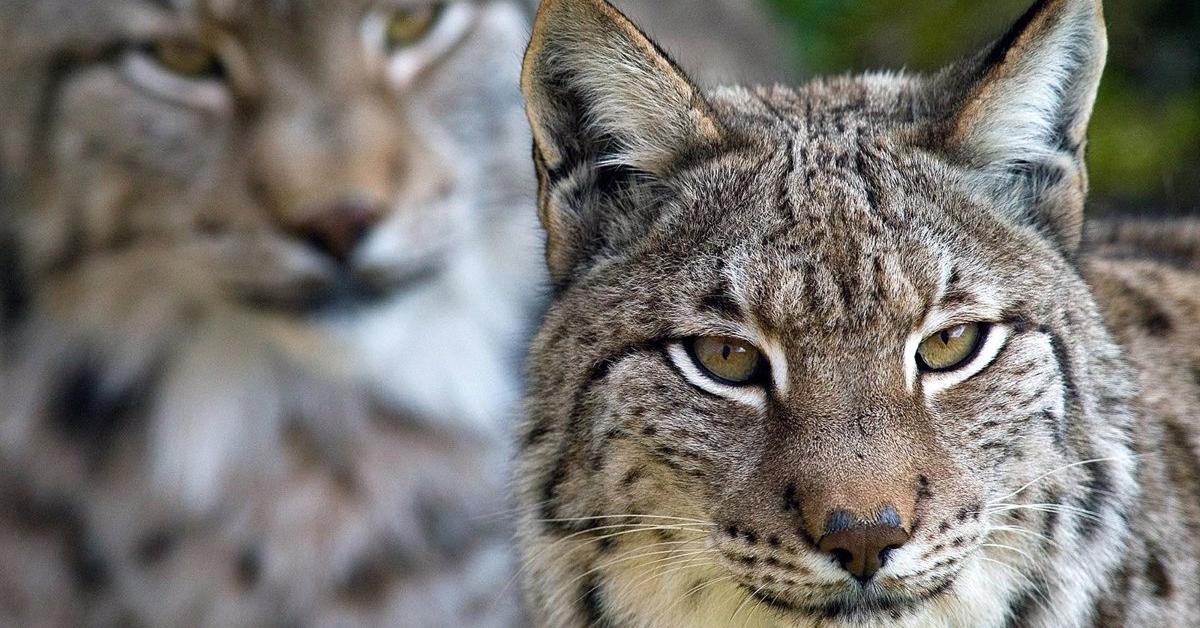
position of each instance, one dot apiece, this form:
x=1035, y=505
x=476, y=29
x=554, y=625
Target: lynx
x=266, y=276
x=839, y=355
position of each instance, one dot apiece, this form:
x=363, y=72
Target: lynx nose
x=862, y=548
x=337, y=229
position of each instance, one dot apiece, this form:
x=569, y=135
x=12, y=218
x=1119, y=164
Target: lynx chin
x=842, y=355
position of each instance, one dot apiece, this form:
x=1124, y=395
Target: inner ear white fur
x=1047, y=79
x=753, y=396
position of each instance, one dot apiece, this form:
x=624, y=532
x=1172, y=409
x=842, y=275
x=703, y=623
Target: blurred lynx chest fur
x=841, y=355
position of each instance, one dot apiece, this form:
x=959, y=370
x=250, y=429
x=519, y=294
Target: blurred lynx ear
x=605, y=104
x=1024, y=119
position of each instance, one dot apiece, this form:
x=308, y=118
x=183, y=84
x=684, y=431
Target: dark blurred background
x=1144, y=152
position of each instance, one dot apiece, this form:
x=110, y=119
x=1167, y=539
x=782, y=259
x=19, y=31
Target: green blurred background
x=1144, y=150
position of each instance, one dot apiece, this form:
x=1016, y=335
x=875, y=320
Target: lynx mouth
x=339, y=292
x=866, y=605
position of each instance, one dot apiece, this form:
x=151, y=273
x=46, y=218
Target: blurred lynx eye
x=406, y=27
x=731, y=360
x=187, y=59
x=950, y=348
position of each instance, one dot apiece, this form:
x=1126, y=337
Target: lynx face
x=265, y=269
x=818, y=356
x=299, y=168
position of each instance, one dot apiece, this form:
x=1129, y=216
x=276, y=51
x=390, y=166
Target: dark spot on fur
x=155, y=546
x=720, y=301
x=591, y=599
x=549, y=506
x=923, y=490
x=91, y=412
x=247, y=567
x=535, y=435
x=632, y=476
x=1021, y=609
x=91, y=571
x=1157, y=575
x=14, y=297
x=1157, y=323
x=791, y=502
x=369, y=582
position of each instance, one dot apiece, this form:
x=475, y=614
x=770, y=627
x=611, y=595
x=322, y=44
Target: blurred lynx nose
x=337, y=228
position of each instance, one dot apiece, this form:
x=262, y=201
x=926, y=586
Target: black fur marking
x=92, y=571
x=1065, y=369
x=1050, y=523
x=591, y=599
x=156, y=546
x=368, y=582
x=999, y=51
x=791, y=502
x=632, y=476
x=1058, y=430
x=14, y=295
x=720, y=301
x=599, y=371
x=1097, y=487
x=88, y=413
x=549, y=506
x=1024, y=606
x=247, y=567
x=534, y=436
x=1156, y=573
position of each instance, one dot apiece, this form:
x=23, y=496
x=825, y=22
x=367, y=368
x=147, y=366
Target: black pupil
x=725, y=351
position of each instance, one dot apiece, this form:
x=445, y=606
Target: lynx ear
x=604, y=103
x=1024, y=120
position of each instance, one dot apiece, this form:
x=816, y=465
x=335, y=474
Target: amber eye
x=406, y=27
x=185, y=58
x=731, y=360
x=950, y=347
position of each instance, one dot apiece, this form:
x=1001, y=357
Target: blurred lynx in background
x=266, y=272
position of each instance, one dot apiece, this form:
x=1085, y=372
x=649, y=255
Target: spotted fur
x=1052, y=481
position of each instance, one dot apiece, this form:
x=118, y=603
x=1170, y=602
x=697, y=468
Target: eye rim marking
x=987, y=350
x=678, y=357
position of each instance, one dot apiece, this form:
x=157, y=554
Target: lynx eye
x=406, y=27
x=729, y=360
x=187, y=59
x=951, y=347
